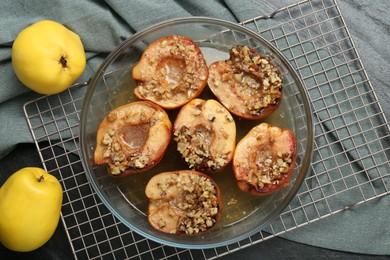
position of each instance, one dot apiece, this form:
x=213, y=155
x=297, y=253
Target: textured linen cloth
x=102, y=25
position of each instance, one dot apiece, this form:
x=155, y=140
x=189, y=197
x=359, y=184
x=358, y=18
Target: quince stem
x=41, y=178
x=63, y=61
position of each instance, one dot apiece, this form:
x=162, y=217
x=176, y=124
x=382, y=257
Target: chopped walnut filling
x=118, y=159
x=271, y=168
x=200, y=206
x=258, y=78
x=194, y=146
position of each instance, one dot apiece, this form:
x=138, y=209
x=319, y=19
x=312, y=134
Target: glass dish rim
x=306, y=161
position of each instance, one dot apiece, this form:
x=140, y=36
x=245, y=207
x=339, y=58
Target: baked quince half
x=247, y=84
x=183, y=202
x=171, y=72
x=132, y=138
x=264, y=159
x=205, y=133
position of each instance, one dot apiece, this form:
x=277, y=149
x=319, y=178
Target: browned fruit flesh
x=171, y=72
x=183, y=202
x=205, y=133
x=247, y=84
x=132, y=138
x=264, y=159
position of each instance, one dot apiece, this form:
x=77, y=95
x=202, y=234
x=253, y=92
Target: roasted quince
x=171, y=72
x=183, y=202
x=132, y=138
x=247, y=84
x=264, y=159
x=205, y=133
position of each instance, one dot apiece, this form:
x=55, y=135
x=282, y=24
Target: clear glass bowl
x=243, y=214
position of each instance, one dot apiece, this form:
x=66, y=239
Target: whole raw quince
x=30, y=205
x=47, y=57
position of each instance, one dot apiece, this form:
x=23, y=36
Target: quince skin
x=30, y=205
x=47, y=57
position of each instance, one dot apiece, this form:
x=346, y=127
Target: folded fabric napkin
x=102, y=25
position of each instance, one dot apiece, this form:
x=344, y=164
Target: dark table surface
x=58, y=247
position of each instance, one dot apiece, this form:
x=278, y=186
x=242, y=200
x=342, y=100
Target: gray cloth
x=102, y=25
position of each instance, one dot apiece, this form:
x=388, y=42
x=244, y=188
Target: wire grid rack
x=350, y=163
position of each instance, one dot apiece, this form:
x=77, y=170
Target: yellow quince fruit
x=47, y=57
x=30, y=206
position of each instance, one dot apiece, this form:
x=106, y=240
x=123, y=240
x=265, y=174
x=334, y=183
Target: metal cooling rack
x=350, y=164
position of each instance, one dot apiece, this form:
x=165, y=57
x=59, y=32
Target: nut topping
x=247, y=84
